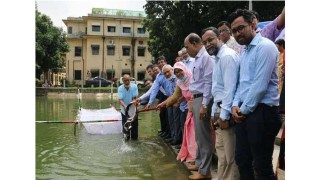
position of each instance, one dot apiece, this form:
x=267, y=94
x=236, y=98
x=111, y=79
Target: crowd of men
x=231, y=74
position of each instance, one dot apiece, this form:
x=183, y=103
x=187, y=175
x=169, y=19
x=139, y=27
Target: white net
x=109, y=114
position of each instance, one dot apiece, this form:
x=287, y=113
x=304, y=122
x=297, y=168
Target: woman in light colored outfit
x=189, y=146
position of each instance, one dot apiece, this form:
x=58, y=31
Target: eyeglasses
x=209, y=40
x=224, y=31
x=238, y=29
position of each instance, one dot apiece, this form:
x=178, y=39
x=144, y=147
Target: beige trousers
x=225, y=148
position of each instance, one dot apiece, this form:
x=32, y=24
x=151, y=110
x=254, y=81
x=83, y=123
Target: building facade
x=107, y=43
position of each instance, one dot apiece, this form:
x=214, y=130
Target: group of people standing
x=222, y=95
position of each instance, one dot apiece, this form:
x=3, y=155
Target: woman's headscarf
x=183, y=85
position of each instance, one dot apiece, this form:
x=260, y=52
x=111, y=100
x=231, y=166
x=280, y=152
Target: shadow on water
x=61, y=155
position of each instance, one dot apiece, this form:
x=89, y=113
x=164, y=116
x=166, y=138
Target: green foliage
x=169, y=22
x=38, y=82
x=50, y=43
x=98, y=11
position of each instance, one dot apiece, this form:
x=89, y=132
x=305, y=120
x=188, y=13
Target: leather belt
x=197, y=95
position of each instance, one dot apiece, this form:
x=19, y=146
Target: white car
x=140, y=84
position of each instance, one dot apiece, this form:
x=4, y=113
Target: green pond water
x=62, y=155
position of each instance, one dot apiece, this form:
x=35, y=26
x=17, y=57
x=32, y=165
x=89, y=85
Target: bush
x=38, y=83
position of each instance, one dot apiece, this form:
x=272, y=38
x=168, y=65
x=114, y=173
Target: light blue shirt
x=224, y=80
x=160, y=81
x=173, y=84
x=146, y=95
x=201, y=80
x=127, y=95
x=258, y=81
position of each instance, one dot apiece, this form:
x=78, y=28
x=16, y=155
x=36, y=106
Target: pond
x=61, y=154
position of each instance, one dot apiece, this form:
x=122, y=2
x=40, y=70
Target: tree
x=169, y=22
x=50, y=44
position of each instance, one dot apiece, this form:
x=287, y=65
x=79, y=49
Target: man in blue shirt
x=173, y=111
x=224, y=82
x=127, y=92
x=255, y=105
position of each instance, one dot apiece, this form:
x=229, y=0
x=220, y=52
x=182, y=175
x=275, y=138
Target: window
x=110, y=75
x=126, y=50
x=95, y=28
x=111, y=29
x=77, y=51
x=110, y=50
x=126, y=30
x=77, y=74
x=141, y=76
x=95, y=73
x=141, y=30
x=141, y=51
x=69, y=30
x=95, y=49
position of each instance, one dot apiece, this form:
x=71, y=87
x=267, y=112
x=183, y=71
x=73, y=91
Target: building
x=107, y=43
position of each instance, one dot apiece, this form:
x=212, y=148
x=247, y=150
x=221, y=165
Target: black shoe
x=174, y=143
x=167, y=136
x=163, y=134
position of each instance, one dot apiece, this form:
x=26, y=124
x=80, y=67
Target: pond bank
x=72, y=92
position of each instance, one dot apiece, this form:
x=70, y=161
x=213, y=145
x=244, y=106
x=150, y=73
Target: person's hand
x=223, y=124
x=175, y=105
x=136, y=101
x=148, y=106
x=236, y=114
x=203, y=113
x=212, y=121
x=161, y=105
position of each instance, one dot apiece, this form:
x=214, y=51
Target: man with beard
x=167, y=70
x=200, y=87
x=224, y=82
x=255, y=105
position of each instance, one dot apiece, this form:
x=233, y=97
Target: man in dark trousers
x=255, y=105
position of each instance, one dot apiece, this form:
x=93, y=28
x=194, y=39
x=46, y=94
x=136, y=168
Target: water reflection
x=61, y=155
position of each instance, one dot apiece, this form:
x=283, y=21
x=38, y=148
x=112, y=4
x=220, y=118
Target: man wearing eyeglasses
x=200, y=87
x=255, y=105
x=227, y=38
x=224, y=81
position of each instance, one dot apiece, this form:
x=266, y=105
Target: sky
x=58, y=10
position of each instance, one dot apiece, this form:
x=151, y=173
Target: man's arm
x=154, y=90
x=281, y=21
x=230, y=73
x=208, y=68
